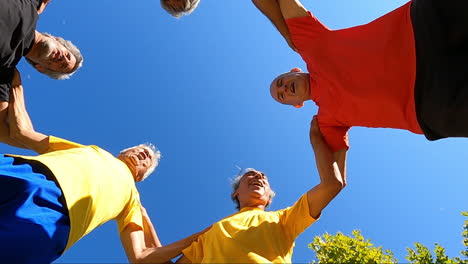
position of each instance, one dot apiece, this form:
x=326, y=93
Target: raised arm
x=331, y=167
x=277, y=11
x=21, y=129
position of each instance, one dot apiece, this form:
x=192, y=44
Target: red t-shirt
x=360, y=76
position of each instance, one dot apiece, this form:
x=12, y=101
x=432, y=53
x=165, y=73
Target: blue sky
x=197, y=87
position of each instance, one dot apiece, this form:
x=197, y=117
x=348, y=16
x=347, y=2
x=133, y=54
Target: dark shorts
x=441, y=89
x=6, y=76
x=34, y=222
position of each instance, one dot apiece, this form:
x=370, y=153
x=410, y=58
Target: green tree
x=465, y=237
x=340, y=248
x=423, y=255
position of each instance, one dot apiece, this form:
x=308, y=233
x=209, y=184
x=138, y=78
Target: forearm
x=330, y=173
x=329, y=169
x=5, y=133
x=340, y=160
x=20, y=126
x=166, y=253
x=151, y=237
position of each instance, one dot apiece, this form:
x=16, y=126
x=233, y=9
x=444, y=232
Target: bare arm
x=271, y=9
x=5, y=128
x=151, y=237
x=331, y=172
x=20, y=126
x=133, y=241
x=292, y=9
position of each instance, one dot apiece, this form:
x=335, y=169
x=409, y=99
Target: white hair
x=156, y=154
x=236, y=182
x=73, y=49
x=186, y=8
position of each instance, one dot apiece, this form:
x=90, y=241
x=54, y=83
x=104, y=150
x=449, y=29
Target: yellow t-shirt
x=252, y=236
x=97, y=186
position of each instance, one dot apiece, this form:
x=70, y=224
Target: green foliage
x=340, y=248
x=465, y=237
x=423, y=255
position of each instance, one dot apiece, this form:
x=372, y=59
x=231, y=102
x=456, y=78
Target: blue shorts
x=34, y=222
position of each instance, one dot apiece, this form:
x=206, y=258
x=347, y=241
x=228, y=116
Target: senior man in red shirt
x=406, y=69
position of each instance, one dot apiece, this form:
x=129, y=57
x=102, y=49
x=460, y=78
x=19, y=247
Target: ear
x=39, y=68
x=299, y=105
x=296, y=70
x=234, y=194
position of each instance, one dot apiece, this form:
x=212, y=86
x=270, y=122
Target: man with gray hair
x=50, y=55
x=50, y=201
x=178, y=8
x=254, y=235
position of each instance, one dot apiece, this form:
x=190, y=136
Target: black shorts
x=441, y=88
x=6, y=76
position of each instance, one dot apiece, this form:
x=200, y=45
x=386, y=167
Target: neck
x=252, y=205
x=32, y=54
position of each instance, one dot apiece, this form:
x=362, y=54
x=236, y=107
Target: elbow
x=137, y=260
x=334, y=186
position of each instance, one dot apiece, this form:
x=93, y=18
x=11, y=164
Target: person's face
x=138, y=159
x=254, y=189
x=290, y=88
x=175, y=4
x=52, y=55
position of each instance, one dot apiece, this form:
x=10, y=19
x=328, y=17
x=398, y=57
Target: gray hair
x=186, y=7
x=156, y=154
x=73, y=49
x=235, y=185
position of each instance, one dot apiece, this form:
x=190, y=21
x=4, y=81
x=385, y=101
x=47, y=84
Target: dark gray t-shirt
x=17, y=32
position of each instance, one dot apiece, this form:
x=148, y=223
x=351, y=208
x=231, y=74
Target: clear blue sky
x=197, y=87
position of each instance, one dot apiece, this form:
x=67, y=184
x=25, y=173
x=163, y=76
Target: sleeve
x=296, y=219
x=131, y=213
x=335, y=136
x=304, y=30
x=6, y=76
x=194, y=252
x=56, y=143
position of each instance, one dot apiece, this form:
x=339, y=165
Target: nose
x=282, y=88
x=258, y=175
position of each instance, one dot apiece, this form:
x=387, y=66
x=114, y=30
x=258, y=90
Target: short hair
x=156, y=155
x=235, y=185
x=73, y=49
x=186, y=8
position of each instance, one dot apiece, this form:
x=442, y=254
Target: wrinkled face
x=291, y=88
x=254, y=189
x=138, y=159
x=52, y=55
